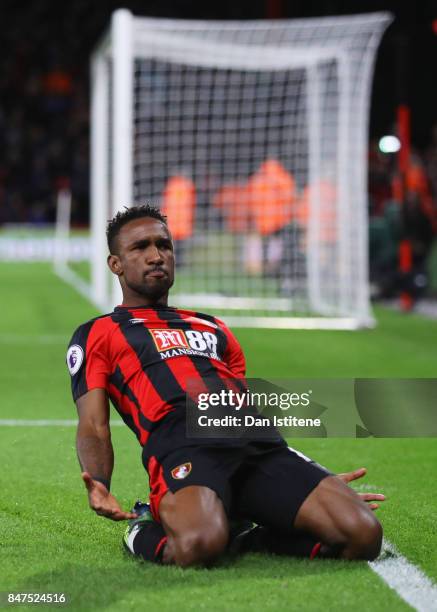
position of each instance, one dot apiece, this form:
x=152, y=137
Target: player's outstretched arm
x=96, y=455
x=348, y=477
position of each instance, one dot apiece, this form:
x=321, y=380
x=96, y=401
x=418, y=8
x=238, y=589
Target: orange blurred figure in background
x=178, y=203
x=271, y=196
x=232, y=201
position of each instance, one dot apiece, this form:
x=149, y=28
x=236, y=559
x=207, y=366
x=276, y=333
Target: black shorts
x=261, y=481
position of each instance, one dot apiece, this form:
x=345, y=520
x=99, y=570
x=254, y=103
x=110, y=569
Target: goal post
x=252, y=137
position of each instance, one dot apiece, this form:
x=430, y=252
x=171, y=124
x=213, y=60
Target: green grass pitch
x=51, y=541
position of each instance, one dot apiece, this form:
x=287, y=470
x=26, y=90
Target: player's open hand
x=102, y=502
x=370, y=498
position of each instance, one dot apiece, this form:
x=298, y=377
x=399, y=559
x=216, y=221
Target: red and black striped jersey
x=143, y=357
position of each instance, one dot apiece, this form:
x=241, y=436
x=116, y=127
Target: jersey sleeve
x=234, y=356
x=87, y=360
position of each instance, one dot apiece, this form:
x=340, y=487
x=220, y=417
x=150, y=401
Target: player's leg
x=146, y=538
x=193, y=529
x=299, y=504
x=189, y=499
x=196, y=525
x=343, y=523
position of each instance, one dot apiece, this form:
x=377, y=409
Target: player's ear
x=114, y=264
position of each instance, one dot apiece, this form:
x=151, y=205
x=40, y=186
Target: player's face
x=145, y=260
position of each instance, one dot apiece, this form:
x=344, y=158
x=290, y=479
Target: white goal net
x=252, y=137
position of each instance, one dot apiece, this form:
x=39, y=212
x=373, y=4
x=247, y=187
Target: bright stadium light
x=389, y=144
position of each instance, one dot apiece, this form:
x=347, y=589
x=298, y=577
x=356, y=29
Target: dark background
x=44, y=138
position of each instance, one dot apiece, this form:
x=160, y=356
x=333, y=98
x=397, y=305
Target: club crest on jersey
x=74, y=358
x=181, y=471
x=166, y=339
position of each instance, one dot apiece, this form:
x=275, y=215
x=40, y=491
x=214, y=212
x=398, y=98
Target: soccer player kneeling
x=205, y=494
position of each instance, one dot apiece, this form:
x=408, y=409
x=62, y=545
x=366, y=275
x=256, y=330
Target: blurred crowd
x=403, y=219
x=45, y=49
x=43, y=111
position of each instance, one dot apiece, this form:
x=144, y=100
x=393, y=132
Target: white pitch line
x=409, y=582
x=44, y=423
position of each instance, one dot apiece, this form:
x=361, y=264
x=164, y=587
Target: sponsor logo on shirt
x=176, y=342
x=166, y=339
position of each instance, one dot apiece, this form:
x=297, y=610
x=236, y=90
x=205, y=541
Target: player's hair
x=129, y=214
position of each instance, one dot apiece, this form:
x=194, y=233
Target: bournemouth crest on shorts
x=181, y=471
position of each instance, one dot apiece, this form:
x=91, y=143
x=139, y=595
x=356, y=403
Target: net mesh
x=252, y=138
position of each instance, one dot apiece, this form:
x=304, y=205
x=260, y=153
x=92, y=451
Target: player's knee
x=363, y=535
x=200, y=547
